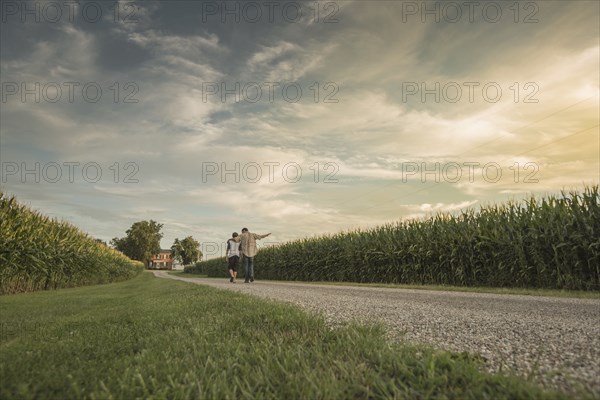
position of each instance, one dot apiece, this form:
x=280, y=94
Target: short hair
x=244, y=229
x=234, y=234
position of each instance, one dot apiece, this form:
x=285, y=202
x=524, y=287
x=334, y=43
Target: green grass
x=576, y=294
x=184, y=274
x=157, y=339
x=515, y=291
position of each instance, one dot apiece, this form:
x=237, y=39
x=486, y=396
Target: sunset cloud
x=371, y=118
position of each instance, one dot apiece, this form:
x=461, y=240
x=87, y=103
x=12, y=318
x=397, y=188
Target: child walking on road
x=233, y=256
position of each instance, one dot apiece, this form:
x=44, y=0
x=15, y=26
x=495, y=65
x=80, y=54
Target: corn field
x=552, y=242
x=38, y=253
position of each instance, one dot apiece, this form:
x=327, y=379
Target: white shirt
x=233, y=248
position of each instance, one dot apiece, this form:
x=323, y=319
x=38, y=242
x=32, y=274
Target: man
x=248, y=241
x=233, y=256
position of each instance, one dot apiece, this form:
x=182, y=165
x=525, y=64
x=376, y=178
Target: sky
x=297, y=118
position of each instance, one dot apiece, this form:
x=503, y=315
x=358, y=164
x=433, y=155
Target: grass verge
x=577, y=294
x=184, y=274
x=156, y=339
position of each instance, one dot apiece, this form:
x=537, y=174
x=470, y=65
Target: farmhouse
x=162, y=260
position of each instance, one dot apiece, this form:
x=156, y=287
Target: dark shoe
x=251, y=279
x=246, y=281
x=231, y=279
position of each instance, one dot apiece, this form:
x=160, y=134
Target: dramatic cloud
x=302, y=118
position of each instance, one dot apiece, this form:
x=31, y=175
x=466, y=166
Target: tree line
x=142, y=241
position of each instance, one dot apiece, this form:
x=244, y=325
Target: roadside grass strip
x=574, y=294
x=160, y=339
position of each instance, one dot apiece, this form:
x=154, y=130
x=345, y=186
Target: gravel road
x=556, y=339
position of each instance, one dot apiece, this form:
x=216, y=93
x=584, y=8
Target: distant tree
x=120, y=244
x=142, y=241
x=187, y=251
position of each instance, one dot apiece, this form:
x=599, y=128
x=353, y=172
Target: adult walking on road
x=248, y=241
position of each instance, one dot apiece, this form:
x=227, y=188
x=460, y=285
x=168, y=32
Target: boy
x=233, y=256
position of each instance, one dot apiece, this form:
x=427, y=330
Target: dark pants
x=248, y=267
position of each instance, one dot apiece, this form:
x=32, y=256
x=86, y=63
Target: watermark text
x=68, y=11
x=254, y=92
x=54, y=92
x=68, y=172
x=453, y=172
x=453, y=92
x=452, y=12
x=252, y=12
x=270, y=171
